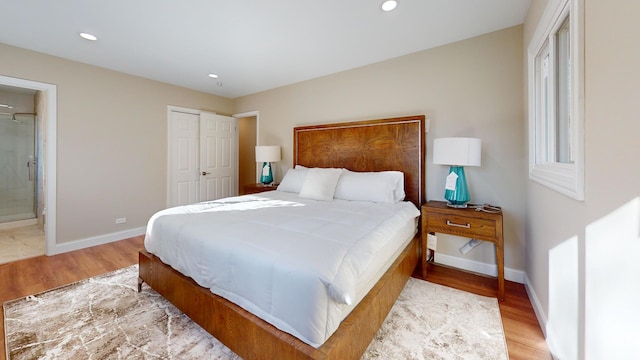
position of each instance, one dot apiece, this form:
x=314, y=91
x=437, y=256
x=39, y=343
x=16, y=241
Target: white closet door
x=218, y=156
x=184, y=158
x=202, y=156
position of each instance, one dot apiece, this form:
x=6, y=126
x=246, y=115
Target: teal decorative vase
x=267, y=175
x=457, y=192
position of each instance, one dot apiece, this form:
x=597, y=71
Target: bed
x=374, y=145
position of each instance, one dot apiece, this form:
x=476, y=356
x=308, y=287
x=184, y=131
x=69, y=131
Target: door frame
x=49, y=152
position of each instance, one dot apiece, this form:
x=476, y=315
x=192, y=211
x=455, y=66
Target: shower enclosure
x=17, y=167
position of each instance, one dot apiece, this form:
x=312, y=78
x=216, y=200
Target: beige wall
x=606, y=223
x=112, y=131
x=469, y=88
x=612, y=207
x=22, y=103
x=536, y=254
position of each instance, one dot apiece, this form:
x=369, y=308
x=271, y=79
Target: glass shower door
x=17, y=168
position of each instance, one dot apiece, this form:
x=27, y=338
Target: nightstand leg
x=500, y=261
x=425, y=253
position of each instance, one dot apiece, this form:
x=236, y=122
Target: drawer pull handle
x=467, y=226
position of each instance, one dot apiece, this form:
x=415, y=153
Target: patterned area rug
x=106, y=318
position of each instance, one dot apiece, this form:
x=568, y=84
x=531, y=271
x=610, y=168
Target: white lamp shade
x=457, y=151
x=268, y=153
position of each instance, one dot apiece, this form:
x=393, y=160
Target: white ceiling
x=253, y=45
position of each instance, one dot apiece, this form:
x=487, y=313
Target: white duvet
x=293, y=262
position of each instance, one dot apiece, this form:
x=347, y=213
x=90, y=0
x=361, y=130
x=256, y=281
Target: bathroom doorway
x=27, y=165
x=248, y=133
x=21, y=186
x=18, y=155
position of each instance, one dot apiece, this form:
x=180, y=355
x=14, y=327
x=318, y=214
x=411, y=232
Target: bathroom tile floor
x=21, y=243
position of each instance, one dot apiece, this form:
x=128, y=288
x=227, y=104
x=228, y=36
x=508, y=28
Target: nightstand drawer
x=437, y=217
x=462, y=226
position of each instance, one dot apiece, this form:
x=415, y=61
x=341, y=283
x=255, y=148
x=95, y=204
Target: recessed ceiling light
x=6, y=106
x=88, y=36
x=389, y=5
x=213, y=76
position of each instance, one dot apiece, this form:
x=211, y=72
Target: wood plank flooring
x=31, y=276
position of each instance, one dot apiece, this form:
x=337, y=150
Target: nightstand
x=258, y=188
x=437, y=217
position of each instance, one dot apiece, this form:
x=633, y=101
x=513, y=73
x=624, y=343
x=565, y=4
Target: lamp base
x=456, y=190
x=457, y=206
x=267, y=175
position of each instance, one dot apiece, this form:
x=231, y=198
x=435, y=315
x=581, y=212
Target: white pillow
x=381, y=186
x=320, y=184
x=293, y=180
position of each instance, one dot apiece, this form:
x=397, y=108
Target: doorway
x=247, y=135
x=41, y=117
x=18, y=183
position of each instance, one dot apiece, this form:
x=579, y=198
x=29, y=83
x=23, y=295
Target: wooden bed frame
x=373, y=145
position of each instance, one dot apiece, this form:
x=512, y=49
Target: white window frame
x=566, y=178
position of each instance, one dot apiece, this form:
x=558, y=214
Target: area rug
x=106, y=318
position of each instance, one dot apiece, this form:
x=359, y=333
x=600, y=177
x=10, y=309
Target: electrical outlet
x=121, y=220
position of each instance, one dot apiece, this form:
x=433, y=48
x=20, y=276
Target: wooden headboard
x=371, y=145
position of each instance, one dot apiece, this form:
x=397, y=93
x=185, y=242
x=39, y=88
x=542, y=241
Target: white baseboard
x=479, y=267
x=96, y=240
x=17, y=224
x=537, y=307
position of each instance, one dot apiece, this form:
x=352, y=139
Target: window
x=555, y=62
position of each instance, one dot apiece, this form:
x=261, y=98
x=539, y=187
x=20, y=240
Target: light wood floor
x=31, y=276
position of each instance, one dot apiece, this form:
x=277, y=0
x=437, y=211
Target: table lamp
x=266, y=155
x=458, y=153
